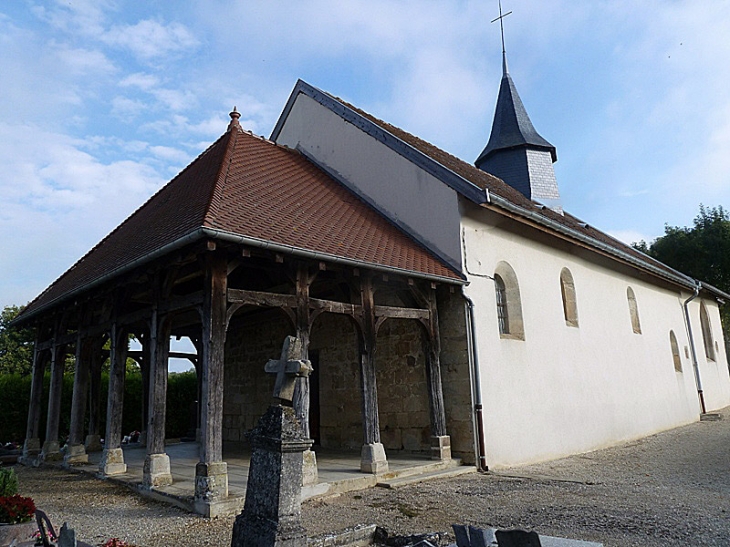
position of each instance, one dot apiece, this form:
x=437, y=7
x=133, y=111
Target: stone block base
x=372, y=459
x=93, y=443
x=309, y=468
x=211, y=481
x=75, y=453
x=112, y=462
x=441, y=448
x=156, y=471
x=51, y=452
x=31, y=449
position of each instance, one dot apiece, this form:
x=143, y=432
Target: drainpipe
x=478, y=408
x=693, y=351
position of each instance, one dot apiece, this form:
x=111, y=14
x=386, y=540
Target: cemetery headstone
x=272, y=511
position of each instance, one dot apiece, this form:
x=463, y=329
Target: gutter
x=221, y=235
x=673, y=275
x=477, y=388
x=695, y=365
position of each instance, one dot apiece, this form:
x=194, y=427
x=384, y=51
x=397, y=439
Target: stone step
x=431, y=475
x=436, y=465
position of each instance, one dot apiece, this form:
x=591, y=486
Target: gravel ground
x=669, y=489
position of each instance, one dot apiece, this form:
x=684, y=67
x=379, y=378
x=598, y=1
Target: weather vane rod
x=501, y=28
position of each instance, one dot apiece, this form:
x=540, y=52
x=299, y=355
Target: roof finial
x=235, y=114
x=501, y=27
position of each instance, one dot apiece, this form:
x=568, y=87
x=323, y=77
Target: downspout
x=693, y=351
x=477, y=391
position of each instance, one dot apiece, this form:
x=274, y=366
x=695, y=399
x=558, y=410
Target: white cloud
x=150, y=39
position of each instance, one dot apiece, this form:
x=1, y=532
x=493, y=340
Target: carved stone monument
x=272, y=512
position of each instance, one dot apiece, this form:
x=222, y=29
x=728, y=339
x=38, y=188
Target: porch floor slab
x=337, y=472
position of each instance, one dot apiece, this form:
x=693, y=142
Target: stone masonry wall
x=401, y=379
x=335, y=338
x=247, y=389
x=455, y=374
x=402, y=387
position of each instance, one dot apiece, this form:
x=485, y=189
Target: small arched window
x=509, y=305
x=675, y=351
x=633, y=310
x=707, y=333
x=567, y=291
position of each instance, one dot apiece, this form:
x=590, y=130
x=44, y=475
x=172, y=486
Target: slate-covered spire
x=516, y=152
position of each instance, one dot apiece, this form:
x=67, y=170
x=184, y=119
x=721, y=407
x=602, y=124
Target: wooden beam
x=393, y=312
x=261, y=298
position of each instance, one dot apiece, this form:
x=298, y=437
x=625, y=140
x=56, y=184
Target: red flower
x=15, y=509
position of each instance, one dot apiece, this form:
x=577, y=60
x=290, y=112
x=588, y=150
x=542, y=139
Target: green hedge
x=15, y=397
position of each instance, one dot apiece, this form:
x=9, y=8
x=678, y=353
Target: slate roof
x=512, y=126
x=491, y=192
x=248, y=189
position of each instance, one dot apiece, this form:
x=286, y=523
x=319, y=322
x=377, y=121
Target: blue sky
x=103, y=101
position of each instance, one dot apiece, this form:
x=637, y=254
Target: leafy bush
x=8, y=481
x=182, y=390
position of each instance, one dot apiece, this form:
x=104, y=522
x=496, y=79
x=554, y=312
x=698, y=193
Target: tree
x=16, y=344
x=702, y=251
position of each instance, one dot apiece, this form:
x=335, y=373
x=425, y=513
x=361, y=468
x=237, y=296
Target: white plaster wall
x=399, y=189
x=714, y=375
x=566, y=390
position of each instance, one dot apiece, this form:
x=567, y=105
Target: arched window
x=509, y=305
x=633, y=310
x=675, y=351
x=502, y=312
x=567, y=291
x=707, y=333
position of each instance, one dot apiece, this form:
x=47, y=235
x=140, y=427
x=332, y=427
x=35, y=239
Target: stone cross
x=288, y=368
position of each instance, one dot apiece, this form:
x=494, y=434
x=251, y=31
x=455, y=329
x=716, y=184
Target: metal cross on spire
x=501, y=28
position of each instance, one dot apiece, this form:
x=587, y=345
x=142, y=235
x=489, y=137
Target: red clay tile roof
x=248, y=186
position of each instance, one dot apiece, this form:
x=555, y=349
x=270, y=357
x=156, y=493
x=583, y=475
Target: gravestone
x=272, y=511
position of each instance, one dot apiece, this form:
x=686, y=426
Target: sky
x=104, y=101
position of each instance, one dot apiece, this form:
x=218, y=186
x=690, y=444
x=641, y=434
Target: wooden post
x=112, y=458
x=93, y=439
x=144, y=366
x=211, y=473
x=301, y=390
x=372, y=458
x=440, y=440
x=51, y=450
x=76, y=452
x=156, y=471
x=32, y=444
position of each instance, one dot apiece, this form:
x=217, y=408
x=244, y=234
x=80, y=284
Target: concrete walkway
x=338, y=472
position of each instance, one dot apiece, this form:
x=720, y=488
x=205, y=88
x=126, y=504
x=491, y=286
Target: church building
x=448, y=308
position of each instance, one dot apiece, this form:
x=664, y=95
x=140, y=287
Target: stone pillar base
x=372, y=459
x=310, y=474
x=51, y=452
x=75, y=453
x=441, y=448
x=211, y=481
x=93, y=443
x=31, y=449
x=112, y=462
x=156, y=471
